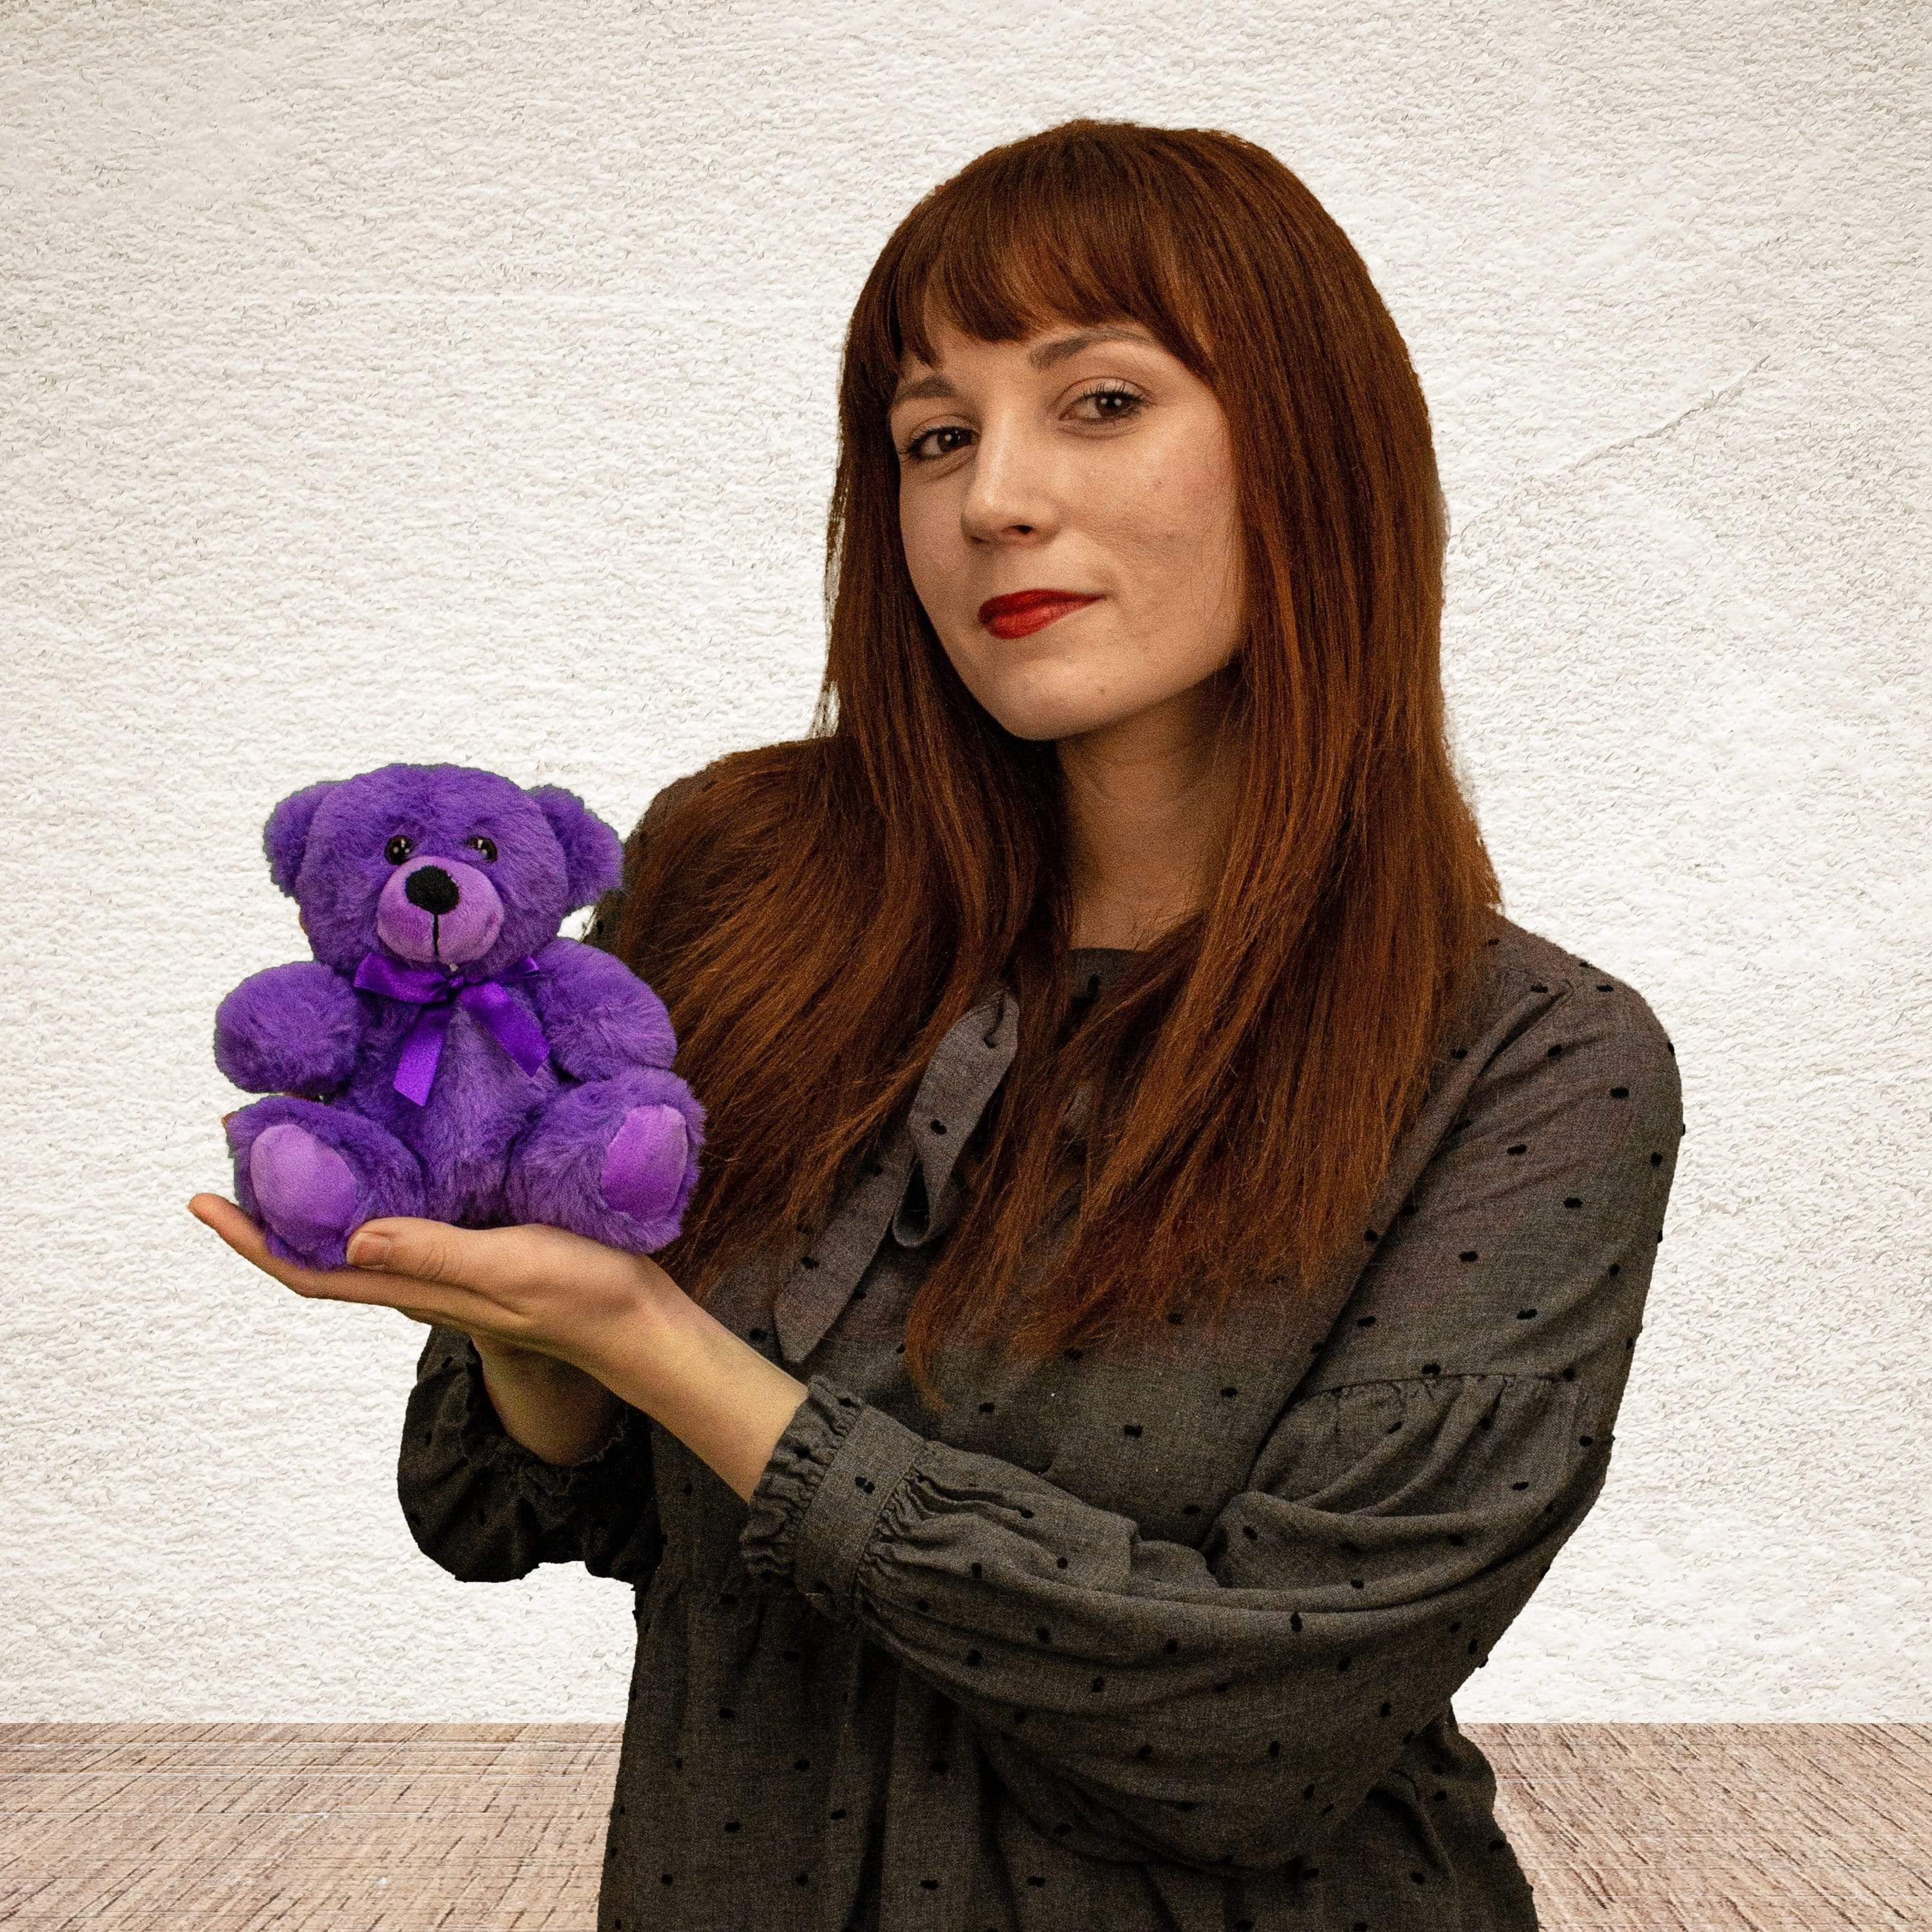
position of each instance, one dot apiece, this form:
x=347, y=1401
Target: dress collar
x=962, y=1076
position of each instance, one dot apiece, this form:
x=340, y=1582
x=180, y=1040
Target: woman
x=1113, y=1560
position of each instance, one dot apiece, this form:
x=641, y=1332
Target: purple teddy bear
x=465, y=1062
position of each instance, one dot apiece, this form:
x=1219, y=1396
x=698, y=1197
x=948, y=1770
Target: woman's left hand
x=529, y=1287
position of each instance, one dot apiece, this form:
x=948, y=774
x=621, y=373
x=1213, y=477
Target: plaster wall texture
x=404, y=381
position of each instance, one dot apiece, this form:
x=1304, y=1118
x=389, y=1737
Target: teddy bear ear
x=287, y=832
x=593, y=855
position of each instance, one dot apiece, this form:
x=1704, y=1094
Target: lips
x=1016, y=603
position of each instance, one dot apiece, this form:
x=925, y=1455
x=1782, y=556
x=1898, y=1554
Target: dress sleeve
x=489, y=1511
x=1231, y=1705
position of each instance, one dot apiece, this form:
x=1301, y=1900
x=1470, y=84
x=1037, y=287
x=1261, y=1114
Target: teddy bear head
x=437, y=865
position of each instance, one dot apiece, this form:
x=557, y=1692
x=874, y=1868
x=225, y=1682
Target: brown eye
x=488, y=846
x=398, y=849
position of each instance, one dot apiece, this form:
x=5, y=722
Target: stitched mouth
x=462, y=925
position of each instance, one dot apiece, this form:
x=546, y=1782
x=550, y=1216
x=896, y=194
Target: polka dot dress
x=1141, y=1638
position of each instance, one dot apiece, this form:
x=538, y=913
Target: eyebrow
x=1043, y=357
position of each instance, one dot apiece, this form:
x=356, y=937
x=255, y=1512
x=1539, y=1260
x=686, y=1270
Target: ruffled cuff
x=819, y=1497
x=468, y=1411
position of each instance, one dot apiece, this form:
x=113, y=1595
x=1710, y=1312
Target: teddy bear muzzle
x=438, y=910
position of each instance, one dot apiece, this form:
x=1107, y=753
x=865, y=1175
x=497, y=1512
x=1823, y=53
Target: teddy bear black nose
x=430, y=887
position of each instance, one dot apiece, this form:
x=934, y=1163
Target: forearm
x=708, y=1387
x=553, y=1409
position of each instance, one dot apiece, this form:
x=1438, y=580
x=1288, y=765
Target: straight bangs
x=1075, y=234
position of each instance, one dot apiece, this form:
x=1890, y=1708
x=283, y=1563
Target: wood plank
x=499, y=1828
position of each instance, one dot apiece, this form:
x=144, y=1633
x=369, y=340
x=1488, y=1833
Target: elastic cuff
x=815, y=1505
x=487, y=1443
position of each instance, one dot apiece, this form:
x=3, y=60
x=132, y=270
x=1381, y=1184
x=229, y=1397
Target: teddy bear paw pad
x=305, y=1189
x=645, y=1162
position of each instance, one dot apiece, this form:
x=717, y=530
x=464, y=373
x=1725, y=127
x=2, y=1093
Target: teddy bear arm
x=292, y=1029
x=599, y=1017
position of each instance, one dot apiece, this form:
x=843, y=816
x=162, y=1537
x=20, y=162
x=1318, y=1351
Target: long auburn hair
x=818, y=914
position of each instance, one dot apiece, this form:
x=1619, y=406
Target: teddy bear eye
x=488, y=846
x=398, y=849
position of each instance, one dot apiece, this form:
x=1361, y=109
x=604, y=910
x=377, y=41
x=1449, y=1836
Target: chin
x=1042, y=724
x=1028, y=705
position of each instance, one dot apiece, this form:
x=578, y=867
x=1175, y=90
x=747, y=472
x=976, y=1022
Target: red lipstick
x=1020, y=611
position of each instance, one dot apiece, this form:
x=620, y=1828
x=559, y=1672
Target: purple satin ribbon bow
x=439, y=992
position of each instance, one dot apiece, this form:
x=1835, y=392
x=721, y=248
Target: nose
x=430, y=887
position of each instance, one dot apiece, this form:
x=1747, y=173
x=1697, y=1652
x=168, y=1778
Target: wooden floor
x=499, y=1828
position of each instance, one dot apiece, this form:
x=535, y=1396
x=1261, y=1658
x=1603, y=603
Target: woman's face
x=1014, y=475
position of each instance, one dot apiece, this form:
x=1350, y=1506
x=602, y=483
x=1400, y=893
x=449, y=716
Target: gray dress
x=1163, y=1640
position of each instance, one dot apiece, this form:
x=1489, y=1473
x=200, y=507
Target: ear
x=287, y=832
x=593, y=856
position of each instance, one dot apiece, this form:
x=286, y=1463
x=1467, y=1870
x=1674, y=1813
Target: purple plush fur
x=602, y=1138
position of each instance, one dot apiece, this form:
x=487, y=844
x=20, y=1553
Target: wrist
x=706, y=1384
x=555, y=1411
x=532, y=1365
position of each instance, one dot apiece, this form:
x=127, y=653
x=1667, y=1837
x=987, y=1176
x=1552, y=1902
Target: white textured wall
x=412, y=381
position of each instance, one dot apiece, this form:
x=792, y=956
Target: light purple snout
x=440, y=910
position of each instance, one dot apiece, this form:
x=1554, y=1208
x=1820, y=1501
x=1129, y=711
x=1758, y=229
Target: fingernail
x=369, y=1250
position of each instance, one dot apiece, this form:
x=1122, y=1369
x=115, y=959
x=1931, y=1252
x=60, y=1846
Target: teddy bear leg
x=308, y=1173
x=613, y=1159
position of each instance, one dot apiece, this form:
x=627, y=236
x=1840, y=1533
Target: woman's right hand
x=532, y=1367
x=510, y=1354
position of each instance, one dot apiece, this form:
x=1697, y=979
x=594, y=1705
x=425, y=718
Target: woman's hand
x=618, y=1317
x=532, y=1288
